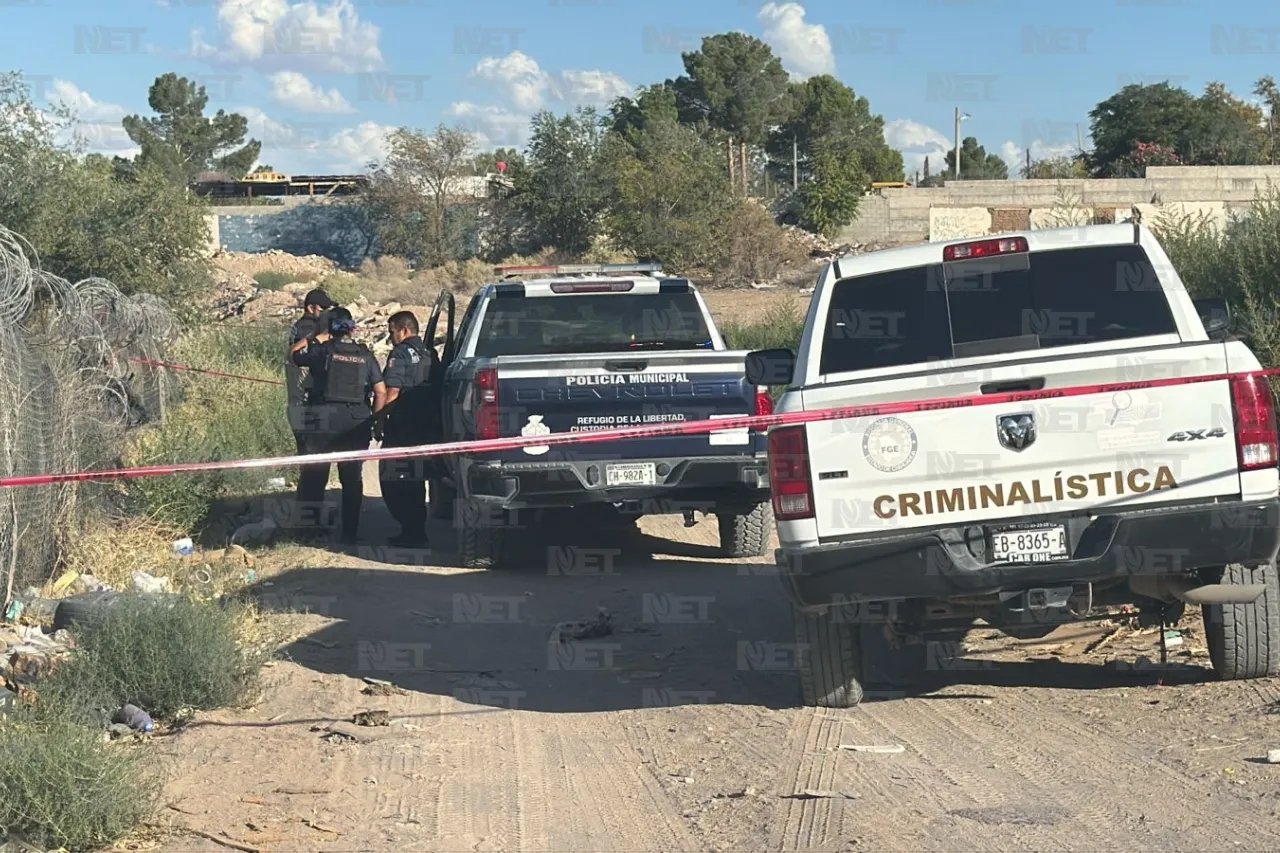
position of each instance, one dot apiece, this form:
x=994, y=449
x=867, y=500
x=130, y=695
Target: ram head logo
x=1016, y=432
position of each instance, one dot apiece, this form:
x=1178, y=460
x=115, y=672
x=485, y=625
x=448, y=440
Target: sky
x=323, y=81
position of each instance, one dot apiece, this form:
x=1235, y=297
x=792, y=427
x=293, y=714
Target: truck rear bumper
x=708, y=480
x=938, y=564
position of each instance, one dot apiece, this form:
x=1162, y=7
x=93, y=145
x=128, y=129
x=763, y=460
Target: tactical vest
x=415, y=416
x=345, y=374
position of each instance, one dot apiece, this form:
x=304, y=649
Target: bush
x=276, y=279
x=756, y=249
x=779, y=328
x=1240, y=264
x=218, y=418
x=63, y=785
x=162, y=658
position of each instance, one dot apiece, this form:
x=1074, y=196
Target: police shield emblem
x=1016, y=432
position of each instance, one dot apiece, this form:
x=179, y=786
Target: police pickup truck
x=1024, y=514
x=553, y=350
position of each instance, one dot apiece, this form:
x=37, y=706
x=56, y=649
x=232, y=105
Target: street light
x=959, y=118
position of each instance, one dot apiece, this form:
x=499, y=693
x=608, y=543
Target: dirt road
x=680, y=731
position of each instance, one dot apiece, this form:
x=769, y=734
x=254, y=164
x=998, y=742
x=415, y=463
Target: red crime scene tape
x=685, y=428
x=183, y=367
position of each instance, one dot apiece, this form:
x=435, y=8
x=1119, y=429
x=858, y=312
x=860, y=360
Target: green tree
x=628, y=116
x=976, y=164
x=1267, y=90
x=1056, y=168
x=144, y=234
x=181, y=141
x=824, y=109
x=670, y=195
x=561, y=191
x=734, y=84
x=1228, y=131
x=829, y=200
x=486, y=162
x=408, y=199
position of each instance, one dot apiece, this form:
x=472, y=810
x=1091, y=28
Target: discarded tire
x=78, y=609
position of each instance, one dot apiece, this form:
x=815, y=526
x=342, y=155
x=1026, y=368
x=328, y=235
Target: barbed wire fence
x=69, y=394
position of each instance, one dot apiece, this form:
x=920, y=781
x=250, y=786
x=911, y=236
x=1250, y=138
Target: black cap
x=319, y=298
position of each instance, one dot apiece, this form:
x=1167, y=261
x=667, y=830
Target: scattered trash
x=184, y=547
x=383, y=689
x=1273, y=756
x=7, y=698
x=816, y=794
x=279, y=484
x=68, y=577
x=583, y=630
x=887, y=749
x=1172, y=638
x=89, y=583
x=332, y=735
x=146, y=582
x=372, y=718
x=256, y=533
x=14, y=612
x=117, y=731
x=251, y=576
x=135, y=718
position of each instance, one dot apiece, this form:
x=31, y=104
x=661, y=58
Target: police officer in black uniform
x=314, y=319
x=339, y=417
x=412, y=418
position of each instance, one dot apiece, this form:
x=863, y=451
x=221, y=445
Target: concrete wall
x=908, y=215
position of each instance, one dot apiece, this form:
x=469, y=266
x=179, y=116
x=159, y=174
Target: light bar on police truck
x=576, y=269
x=985, y=248
x=592, y=286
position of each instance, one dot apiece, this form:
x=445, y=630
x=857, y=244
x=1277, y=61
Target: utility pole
x=746, y=187
x=1028, y=159
x=733, y=181
x=1079, y=138
x=795, y=163
x=959, y=118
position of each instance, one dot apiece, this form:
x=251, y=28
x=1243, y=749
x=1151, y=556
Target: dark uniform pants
x=333, y=428
x=404, y=489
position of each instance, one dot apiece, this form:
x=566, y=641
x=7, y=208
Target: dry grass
x=112, y=552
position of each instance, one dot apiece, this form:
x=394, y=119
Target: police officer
x=314, y=319
x=339, y=417
x=412, y=418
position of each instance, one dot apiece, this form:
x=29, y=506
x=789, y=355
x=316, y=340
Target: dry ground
x=670, y=734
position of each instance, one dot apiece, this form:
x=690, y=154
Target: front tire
x=746, y=534
x=1244, y=639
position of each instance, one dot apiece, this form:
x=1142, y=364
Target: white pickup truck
x=1022, y=514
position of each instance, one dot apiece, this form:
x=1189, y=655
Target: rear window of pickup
x=993, y=305
x=582, y=323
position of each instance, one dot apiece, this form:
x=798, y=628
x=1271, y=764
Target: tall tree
x=409, y=197
x=1228, y=131
x=976, y=164
x=181, y=141
x=824, y=109
x=669, y=193
x=561, y=191
x=734, y=84
x=1267, y=89
x=829, y=200
x=628, y=116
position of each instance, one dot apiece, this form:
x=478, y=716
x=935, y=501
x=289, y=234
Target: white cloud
x=917, y=141
x=277, y=34
x=493, y=126
x=294, y=90
x=97, y=123
x=518, y=76
x=300, y=147
x=527, y=87
x=1016, y=155
x=804, y=48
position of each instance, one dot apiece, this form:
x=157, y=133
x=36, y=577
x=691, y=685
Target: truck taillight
x=764, y=403
x=789, y=474
x=985, y=248
x=487, y=403
x=1255, y=415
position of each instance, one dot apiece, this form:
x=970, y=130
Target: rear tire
x=746, y=534
x=1244, y=639
x=481, y=545
x=830, y=659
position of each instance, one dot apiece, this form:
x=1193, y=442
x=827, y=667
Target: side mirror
x=771, y=367
x=1214, y=313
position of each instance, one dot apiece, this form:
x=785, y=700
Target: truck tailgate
x=574, y=393
x=1019, y=460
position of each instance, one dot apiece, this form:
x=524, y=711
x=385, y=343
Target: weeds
x=779, y=328
x=63, y=785
x=163, y=657
x=276, y=279
x=215, y=421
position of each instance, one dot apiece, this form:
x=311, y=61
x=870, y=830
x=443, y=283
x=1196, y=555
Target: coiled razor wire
x=69, y=392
